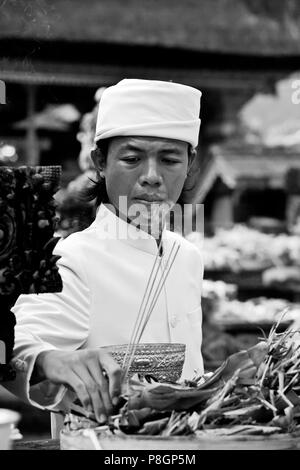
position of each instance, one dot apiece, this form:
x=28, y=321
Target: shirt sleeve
x=50, y=321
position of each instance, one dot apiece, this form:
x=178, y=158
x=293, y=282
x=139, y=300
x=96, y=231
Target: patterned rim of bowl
x=164, y=361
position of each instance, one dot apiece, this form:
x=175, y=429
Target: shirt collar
x=110, y=226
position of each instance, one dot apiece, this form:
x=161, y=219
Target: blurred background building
x=57, y=57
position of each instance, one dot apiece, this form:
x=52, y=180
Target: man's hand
x=92, y=374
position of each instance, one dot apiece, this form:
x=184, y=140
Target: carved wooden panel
x=27, y=225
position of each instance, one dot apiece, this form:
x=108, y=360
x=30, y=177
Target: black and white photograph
x=150, y=227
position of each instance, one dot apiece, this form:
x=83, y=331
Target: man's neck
x=156, y=236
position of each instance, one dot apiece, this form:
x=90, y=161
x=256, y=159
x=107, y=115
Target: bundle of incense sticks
x=157, y=278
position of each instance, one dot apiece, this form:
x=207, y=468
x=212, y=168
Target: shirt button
x=173, y=322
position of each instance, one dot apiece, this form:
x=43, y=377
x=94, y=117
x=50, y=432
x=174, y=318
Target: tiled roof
x=260, y=27
x=247, y=166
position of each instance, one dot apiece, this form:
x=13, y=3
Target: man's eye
x=170, y=161
x=130, y=159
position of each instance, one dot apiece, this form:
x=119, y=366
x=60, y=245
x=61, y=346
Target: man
x=145, y=139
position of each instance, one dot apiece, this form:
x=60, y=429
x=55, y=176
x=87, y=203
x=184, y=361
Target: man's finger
x=93, y=388
x=102, y=380
x=114, y=374
x=78, y=385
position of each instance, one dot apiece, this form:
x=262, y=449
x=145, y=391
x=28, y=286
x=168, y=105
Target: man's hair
x=97, y=189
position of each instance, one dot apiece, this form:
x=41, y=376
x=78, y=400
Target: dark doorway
x=260, y=203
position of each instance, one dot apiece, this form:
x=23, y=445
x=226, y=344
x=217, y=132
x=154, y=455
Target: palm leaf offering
x=254, y=392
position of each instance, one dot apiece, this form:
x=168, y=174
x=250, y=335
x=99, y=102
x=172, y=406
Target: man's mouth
x=149, y=199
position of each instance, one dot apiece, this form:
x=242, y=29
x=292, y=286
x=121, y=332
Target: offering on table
x=258, y=311
x=254, y=392
x=246, y=249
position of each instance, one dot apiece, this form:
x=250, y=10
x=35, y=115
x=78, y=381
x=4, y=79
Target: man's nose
x=151, y=174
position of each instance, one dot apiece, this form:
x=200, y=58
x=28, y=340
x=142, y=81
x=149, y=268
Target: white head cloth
x=149, y=108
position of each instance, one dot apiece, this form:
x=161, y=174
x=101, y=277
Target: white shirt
x=105, y=270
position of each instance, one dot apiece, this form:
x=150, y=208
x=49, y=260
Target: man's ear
x=191, y=158
x=98, y=160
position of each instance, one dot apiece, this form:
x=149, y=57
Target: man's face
x=146, y=170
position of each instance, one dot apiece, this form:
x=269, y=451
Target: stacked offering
x=259, y=312
x=245, y=249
